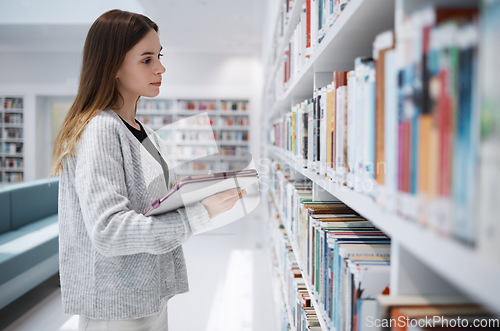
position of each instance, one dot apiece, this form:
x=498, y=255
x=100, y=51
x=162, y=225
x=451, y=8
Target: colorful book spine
x=466, y=137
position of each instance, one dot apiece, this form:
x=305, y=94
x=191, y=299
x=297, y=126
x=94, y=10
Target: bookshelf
x=196, y=128
x=11, y=139
x=423, y=261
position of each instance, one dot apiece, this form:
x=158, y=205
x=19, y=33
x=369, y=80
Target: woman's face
x=141, y=70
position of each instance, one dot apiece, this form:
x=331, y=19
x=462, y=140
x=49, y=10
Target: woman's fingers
x=232, y=193
x=229, y=203
x=224, y=201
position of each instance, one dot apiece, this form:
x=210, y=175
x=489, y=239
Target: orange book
x=380, y=112
x=330, y=127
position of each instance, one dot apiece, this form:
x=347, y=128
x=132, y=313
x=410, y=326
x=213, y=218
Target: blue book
x=466, y=137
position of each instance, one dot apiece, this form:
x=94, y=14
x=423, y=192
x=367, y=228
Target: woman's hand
x=218, y=203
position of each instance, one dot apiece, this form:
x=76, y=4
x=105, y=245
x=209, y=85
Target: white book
x=351, y=128
x=322, y=104
x=316, y=133
x=314, y=25
x=341, y=112
x=303, y=37
x=359, y=129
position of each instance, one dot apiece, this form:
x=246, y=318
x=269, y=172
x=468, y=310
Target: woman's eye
x=159, y=55
x=146, y=61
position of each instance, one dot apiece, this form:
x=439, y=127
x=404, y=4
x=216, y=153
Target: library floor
x=230, y=288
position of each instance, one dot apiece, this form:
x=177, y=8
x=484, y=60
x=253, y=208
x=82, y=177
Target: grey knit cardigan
x=115, y=263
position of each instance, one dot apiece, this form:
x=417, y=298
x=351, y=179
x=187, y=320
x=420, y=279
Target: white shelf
x=5, y=141
x=232, y=143
x=234, y=113
x=234, y=128
x=152, y=112
x=12, y=169
x=317, y=307
x=13, y=111
x=12, y=140
x=293, y=20
x=206, y=128
x=18, y=155
x=173, y=112
x=476, y=275
x=209, y=143
x=12, y=125
x=282, y=284
x=351, y=36
x=223, y=158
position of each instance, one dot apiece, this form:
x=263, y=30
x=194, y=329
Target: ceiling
x=194, y=26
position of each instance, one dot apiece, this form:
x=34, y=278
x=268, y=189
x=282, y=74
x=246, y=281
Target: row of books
x=340, y=253
x=11, y=118
x=346, y=262
x=155, y=104
x=235, y=120
x=404, y=125
x=155, y=121
x=13, y=163
x=16, y=133
x=233, y=135
x=224, y=105
x=299, y=312
x=316, y=19
x=11, y=148
x=12, y=103
x=8, y=177
x=207, y=105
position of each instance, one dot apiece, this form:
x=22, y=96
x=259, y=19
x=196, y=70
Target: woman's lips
x=156, y=84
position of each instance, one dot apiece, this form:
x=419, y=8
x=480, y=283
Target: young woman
x=118, y=268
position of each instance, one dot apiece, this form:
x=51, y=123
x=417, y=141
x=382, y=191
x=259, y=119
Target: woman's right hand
x=218, y=203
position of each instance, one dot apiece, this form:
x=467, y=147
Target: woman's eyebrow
x=150, y=53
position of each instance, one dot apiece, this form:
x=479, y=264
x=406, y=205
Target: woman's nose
x=161, y=69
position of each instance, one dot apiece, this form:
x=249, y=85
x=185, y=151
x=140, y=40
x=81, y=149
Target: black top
x=142, y=136
x=139, y=134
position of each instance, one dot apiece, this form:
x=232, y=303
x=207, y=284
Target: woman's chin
x=151, y=94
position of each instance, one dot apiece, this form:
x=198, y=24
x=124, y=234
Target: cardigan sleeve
x=113, y=227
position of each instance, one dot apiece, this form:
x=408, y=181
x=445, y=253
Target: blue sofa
x=29, y=236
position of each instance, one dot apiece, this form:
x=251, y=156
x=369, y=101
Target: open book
x=192, y=189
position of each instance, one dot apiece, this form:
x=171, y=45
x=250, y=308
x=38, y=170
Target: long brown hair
x=109, y=38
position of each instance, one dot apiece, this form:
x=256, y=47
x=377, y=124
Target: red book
x=445, y=118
